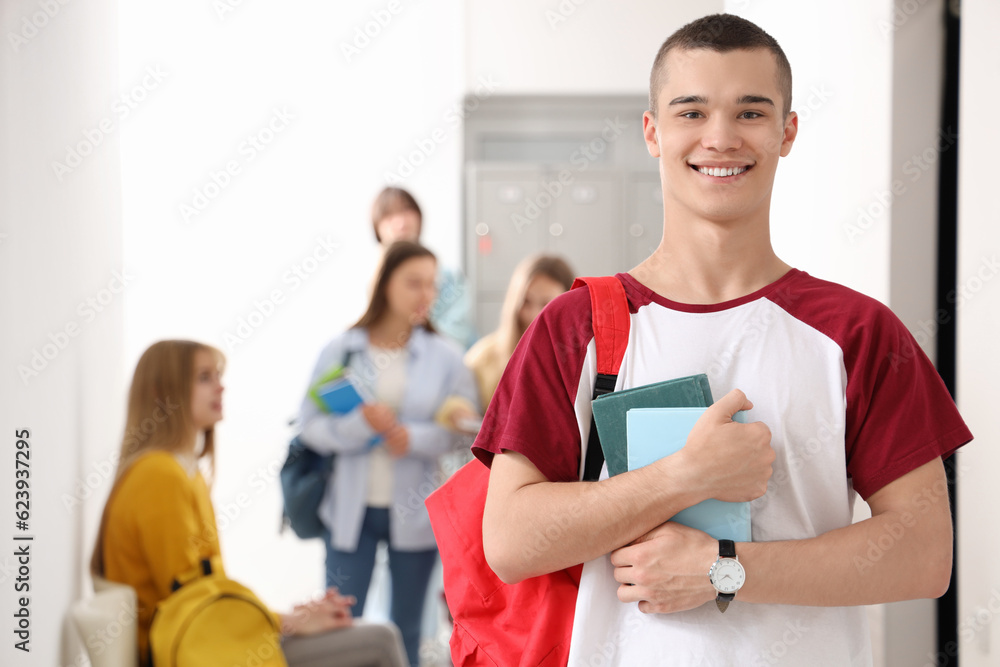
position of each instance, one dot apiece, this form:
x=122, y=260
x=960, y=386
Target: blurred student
x=388, y=449
x=536, y=280
x=396, y=216
x=158, y=523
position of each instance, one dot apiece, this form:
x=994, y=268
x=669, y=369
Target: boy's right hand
x=379, y=416
x=733, y=460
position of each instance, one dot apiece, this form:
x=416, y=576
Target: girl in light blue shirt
x=388, y=449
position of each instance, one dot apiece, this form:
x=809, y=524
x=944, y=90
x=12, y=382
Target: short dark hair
x=390, y=202
x=721, y=33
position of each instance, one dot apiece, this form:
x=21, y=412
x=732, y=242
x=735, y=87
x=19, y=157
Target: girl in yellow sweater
x=158, y=523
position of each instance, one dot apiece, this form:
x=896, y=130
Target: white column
x=978, y=302
x=61, y=338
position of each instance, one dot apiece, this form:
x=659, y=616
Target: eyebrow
x=745, y=99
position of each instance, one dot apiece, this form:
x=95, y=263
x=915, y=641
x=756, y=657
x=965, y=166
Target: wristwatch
x=727, y=574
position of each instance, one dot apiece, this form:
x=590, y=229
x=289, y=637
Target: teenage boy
x=843, y=402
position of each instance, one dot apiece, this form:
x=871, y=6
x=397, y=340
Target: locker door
x=506, y=227
x=585, y=223
x=644, y=226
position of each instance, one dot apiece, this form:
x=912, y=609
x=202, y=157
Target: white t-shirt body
x=389, y=387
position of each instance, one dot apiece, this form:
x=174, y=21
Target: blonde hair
x=509, y=331
x=159, y=414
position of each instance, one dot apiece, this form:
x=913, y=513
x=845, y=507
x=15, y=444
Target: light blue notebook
x=657, y=432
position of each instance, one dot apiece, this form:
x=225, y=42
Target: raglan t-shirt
x=852, y=404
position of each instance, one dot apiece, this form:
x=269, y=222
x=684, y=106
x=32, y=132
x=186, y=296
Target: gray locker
x=644, y=228
x=566, y=176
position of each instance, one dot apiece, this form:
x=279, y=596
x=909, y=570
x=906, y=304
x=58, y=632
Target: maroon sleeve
x=899, y=412
x=532, y=411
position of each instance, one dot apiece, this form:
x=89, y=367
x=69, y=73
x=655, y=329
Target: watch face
x=727, y=575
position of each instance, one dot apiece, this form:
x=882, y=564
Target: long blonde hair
x=509, y=331
x=159, y=414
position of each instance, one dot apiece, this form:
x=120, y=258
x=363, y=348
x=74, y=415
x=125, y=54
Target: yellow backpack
x=212, y=621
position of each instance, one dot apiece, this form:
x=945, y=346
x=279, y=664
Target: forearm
x=897, y=555
x=547, y=526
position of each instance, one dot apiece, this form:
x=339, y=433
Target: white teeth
x=721, y=171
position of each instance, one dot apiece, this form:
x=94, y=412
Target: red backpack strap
x=610, y=317
x=611, y=322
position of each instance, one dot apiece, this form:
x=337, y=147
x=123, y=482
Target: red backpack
x=528, y=623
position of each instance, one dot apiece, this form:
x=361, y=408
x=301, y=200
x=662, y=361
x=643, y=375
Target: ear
x=649, y=134
x=789, y=133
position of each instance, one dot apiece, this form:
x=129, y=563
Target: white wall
x=840, y=161
x=60, y=246
x=571, y=46
x=978, y=331
x=917, y=89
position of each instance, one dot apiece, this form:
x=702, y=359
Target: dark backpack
x=304, y=476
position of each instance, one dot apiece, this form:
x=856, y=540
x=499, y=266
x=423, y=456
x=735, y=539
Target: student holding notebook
x=388, y=449
x=840, y=400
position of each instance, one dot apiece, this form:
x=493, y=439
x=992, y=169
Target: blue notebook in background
x=340, y=396
x=657, y=432
x=338, y=393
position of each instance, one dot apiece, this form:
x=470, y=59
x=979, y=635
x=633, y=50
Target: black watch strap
x=727, y=549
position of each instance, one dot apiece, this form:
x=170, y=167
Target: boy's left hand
x=666, y=570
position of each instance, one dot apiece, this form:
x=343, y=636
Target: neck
x=390, y=332
x=706, y=262
x=191, y=444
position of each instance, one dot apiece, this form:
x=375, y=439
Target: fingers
x=397, y=440
x=633, y=593
x=379, y=416
x=333, y=595
x=731, y=403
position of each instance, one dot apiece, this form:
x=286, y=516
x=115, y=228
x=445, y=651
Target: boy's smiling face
x=718, y=133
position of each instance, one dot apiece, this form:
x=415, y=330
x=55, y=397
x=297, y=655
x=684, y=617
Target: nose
x=721, y=134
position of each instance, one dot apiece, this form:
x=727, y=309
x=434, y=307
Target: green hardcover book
x=610, y=411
